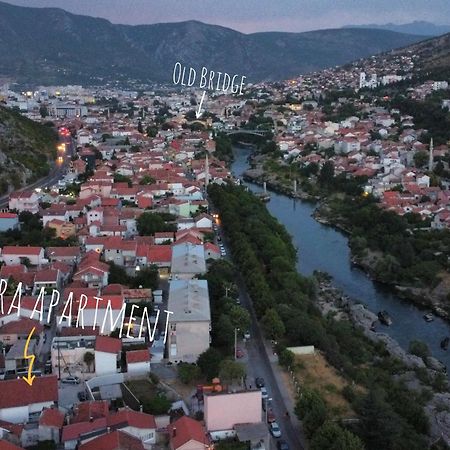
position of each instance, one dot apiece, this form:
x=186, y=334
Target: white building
x=138, y=362
x=15, y=407
x=107, y=351
x=190, y=323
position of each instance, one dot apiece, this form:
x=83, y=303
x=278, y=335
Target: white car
x=264, y=394
x=275, y=430
x=71, y=380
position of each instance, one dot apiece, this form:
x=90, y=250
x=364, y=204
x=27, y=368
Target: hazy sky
x=258, y=15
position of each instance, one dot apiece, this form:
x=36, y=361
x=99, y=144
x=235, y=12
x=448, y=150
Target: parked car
x=247, y=334
x=264, y=394
x=259, y=381
x=71, y=380
x=282, y=445
x=270, y=416
x=275, y=430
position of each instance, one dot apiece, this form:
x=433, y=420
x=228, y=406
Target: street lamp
x=235, y=343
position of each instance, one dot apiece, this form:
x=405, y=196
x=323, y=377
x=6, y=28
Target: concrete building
x=107, y=351
x=8, y=221
x=190, y=323
x=188, y=260
x=138, y=362
x=225, y=410
x=67, y=355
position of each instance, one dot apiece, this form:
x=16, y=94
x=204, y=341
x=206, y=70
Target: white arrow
x=198, y=113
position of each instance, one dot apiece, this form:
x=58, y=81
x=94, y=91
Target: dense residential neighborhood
x=173, y=314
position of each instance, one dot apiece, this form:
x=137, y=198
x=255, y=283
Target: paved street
x=259, y=365
x=56, y=173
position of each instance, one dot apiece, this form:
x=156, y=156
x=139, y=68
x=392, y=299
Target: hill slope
x=418, y=27
x=48, y=45
x=26, y=150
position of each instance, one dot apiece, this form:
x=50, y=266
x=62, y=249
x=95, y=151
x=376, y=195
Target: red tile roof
x=5, y=445
x=159, y=253
x=44, y=389
x=137, y=356
x=23, y=326
x=132, y=418
x=13, y=428
x=21, y=250
x=52, y=417
x=86, y=411
x=117, y=440
x=108, y=344
x=55, y=252
x=46, y=276
x=74, y=430
x=6, y=215
x=186, y=429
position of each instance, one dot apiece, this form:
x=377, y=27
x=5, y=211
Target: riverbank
x=331, y=300
x=257, y=175
x=428, y=299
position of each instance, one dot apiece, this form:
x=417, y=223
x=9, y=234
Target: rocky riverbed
x=332, y=300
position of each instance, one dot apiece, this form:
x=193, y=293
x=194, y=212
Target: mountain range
x=418, y=27
x=50, y=45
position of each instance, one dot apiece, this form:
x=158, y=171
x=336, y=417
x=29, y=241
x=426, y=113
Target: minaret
x=430, y=161
x=206, y=170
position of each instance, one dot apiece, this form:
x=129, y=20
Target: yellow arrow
x=29, y=379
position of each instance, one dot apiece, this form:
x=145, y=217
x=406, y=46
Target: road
x=56, y=173
x=259, y=365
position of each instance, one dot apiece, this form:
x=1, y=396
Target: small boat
x=384, y=318
x=264, y=196
x=428, y=317
x=445, y=342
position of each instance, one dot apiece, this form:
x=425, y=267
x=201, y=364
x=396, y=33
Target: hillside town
x=130, y=223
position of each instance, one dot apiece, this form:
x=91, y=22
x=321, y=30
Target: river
x=324, y=248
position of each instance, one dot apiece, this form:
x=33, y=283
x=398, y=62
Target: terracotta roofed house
x=16, y=407
x=116, y=440
x=188, y=434
x=107, y=350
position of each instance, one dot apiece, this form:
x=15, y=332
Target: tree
x=187, y=373
x=43, y=111
x=419, y=349
x=240, y=317
x=147, y=179
x=209, y=362
x=45, y=445
x=89, y=359
x=223, y=333
x=286, y=358
x=158, y=405
x=311, y=409
x=146, y=277
x=420, y=159
x=326, y=174
x=379, y=425
x=151, y=131
x=231, y=371
x=117, y=275
x=331, y=436
x=150, y=223
x=272, y=324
